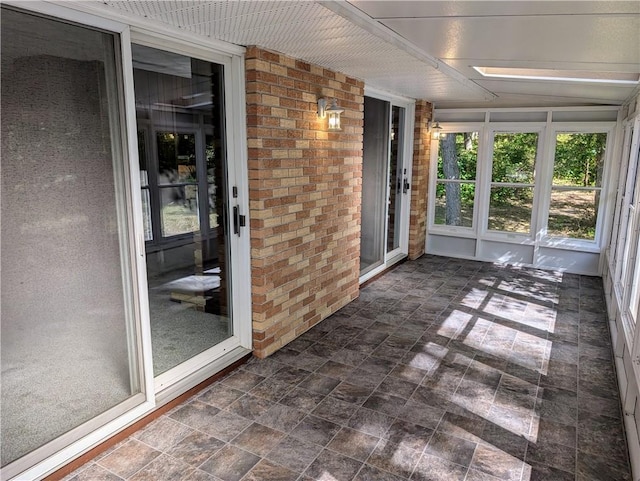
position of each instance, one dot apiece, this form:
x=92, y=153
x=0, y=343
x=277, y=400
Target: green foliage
x=579, y=159
x=514, y=159
x=466, y=155
x=177, y=154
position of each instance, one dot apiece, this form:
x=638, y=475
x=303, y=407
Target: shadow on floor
x=442, y=369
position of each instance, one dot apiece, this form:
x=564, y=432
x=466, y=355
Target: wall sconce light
x=435, y=129
x=333, y=111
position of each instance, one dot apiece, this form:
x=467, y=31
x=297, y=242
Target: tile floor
x=443, y=369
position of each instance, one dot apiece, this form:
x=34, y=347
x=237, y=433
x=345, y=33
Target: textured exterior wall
x=420, y=180
x=305, y=193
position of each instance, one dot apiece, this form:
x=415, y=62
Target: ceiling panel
x=309, y=31
x=411, y=9
x=426, y=49
x=542, y=38
x=559, y=89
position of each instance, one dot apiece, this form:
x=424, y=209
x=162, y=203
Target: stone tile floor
x=443, y=369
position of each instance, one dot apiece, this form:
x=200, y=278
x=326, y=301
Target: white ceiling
x=426, y=49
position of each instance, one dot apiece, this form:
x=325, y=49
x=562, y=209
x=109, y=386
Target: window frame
x=511, y=128
x=461, y=231
x=626, y=278
x=396, y=255
x=554, y=129
x=621, y=195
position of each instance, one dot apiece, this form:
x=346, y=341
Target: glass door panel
x=397, y=183
x=180, y=101
x=68, y=350
x=374, y=183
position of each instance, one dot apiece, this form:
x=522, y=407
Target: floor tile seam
x=549, y=465
x=164, y=451
x=111, y=472
x=320, y=453
x=360, y=469
x=422, y=454
x=247, y=428
x=142, y=467
x=266, y=458
x=205, y=433
x=625, y=465
x=460, y=382
x=578, y=382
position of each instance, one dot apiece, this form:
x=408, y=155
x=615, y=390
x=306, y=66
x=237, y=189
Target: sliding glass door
x=70, y=361
x=183, y=178
x=385, y=186
x=117, y=158
x=374, y=184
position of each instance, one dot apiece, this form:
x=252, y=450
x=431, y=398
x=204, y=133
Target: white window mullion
x=620, y=197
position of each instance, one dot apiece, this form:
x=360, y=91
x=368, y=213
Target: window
x=576, y=185
x=68, y=332
x=179, y=143
x=456, y=179
x=512, y=182
x=525, y=186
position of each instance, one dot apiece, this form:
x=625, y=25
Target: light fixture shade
x=333, y=111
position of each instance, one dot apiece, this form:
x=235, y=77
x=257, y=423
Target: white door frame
x=161, y=390
x=393, y=257
x=170, y=383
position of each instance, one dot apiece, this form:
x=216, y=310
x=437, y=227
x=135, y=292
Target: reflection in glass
x=179, y=207
x=510, y=209
x=144, y=183
x=395, y=179
x=212, y=153
x=66, y=331
x=573, y=213
x=374, y=180
x=179, y=100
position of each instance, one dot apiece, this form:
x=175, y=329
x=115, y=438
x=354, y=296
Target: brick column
x=420, y=180
x=305, y=194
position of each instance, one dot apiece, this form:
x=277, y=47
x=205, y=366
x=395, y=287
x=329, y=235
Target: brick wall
x=304, y=191
x=420, y=180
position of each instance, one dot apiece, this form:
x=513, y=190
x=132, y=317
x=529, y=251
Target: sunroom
x=176, y=200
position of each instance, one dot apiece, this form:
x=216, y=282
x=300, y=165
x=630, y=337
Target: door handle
x=406, y=186
x=238, y=220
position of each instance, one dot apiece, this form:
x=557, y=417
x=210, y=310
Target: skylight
x=623, y=78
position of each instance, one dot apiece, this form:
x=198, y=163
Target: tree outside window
x=456, y=182
x=576, y=186
x=512, y=182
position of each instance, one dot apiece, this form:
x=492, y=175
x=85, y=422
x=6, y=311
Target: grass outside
x=178, y=218
x=572, y=214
